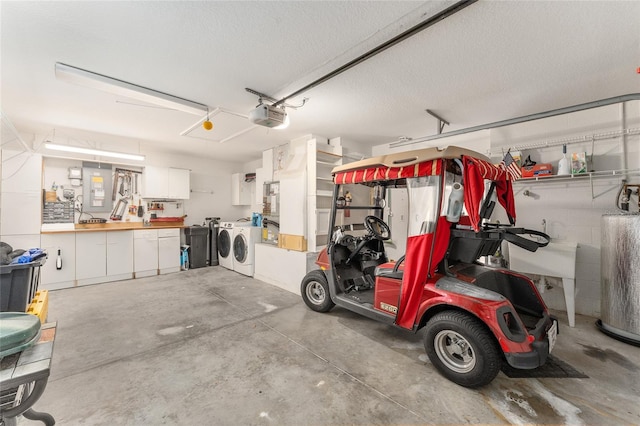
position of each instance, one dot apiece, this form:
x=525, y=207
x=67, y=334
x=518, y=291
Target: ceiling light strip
x=91, y=151
x=117, y=87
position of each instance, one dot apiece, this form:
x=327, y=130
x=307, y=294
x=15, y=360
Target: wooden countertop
x=116, y=226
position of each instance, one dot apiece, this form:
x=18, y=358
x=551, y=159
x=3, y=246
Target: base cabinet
x=91, y=255
x=120, y=255
x=168, y=250
x=104, y=256
x=51, y=277
x=145, y=252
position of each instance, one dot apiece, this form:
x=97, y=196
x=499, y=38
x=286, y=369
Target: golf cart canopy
x=432, y=162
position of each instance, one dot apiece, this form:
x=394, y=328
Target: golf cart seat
x=391, y=269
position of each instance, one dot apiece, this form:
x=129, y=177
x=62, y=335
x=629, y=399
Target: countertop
x=115, y=226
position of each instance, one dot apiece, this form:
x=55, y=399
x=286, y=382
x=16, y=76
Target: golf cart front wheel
x=462, y=349
x=315, y=291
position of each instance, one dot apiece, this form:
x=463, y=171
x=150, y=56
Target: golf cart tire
x=479, y=360
x=315, y=291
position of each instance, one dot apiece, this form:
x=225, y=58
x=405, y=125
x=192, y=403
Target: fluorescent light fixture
x=90, y=151
x=122, y=88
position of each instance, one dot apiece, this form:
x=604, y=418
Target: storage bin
x=18, y=285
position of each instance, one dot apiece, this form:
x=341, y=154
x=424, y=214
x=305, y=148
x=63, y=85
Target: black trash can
x=214, y=225
x=196, y=239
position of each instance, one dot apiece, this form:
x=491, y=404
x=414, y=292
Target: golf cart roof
x=410, y=158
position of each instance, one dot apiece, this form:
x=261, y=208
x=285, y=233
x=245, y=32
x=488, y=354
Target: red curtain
x=475, y=172
x=416, y=270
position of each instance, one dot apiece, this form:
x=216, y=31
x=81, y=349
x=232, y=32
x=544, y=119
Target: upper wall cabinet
x=166, y=183
x=240, y=190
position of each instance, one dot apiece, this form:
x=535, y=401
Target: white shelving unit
x=321, y=159
x=590, y=176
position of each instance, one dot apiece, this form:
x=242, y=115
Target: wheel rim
x=315, y=293
x=454, y=351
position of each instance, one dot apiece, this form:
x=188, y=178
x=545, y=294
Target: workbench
x=23, y=378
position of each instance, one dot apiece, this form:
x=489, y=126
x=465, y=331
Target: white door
x=169, y=254
x=53, y=278
x=168, y=250
x=145, y=250
x=119, y=253
x=156, y=182
x=179, y=185
x=91, y=255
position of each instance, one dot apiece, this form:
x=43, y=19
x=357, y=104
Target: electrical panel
x=96, y=187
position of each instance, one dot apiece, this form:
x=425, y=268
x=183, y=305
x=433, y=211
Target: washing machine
x=226, y=234
x=244, y=243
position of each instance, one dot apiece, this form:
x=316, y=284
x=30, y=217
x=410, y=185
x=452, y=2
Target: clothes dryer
x=226, y=235
x=244, y=243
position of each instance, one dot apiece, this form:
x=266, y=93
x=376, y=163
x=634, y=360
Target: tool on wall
x=125, y=186
x=120, y=208
x=625, y=193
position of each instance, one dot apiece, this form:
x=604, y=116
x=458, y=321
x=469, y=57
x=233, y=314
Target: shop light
x=117, y=87
x=90, y=151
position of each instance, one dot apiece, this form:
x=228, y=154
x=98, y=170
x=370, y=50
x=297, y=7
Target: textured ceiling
x=489, y=62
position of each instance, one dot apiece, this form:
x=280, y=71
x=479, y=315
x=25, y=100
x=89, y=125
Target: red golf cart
x=476, y=317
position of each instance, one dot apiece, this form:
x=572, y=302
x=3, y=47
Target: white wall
x=571, y=211
x=210, y=186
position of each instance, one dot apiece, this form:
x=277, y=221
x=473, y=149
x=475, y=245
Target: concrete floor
x=212, y=347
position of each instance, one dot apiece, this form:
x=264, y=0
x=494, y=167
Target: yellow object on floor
x=39, y=306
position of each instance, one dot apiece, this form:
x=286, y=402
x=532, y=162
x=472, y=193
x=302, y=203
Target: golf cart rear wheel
x=315, y=291
x=462, y=349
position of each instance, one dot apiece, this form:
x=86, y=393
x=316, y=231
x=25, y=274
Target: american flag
x=511, y=167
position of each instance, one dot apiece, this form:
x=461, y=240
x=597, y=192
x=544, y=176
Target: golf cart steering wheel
x=377, y=228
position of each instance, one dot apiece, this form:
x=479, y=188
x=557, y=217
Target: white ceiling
x=491, y=61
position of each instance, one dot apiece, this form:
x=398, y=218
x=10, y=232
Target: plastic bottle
x=563, y=164
x=59, y=261
x=454, y=209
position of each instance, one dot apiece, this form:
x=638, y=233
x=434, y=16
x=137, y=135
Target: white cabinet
x=156, y=182
x=51, y=277
x=21, y=198
x=21, y=213
x=168, y=250
x=179, y=184
x=260, y=180
x=21, y=171
x=103, y=256
x=91, y=257
x=240, y=190
x=119, y=255
x=145, y=252
x=166, y=183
